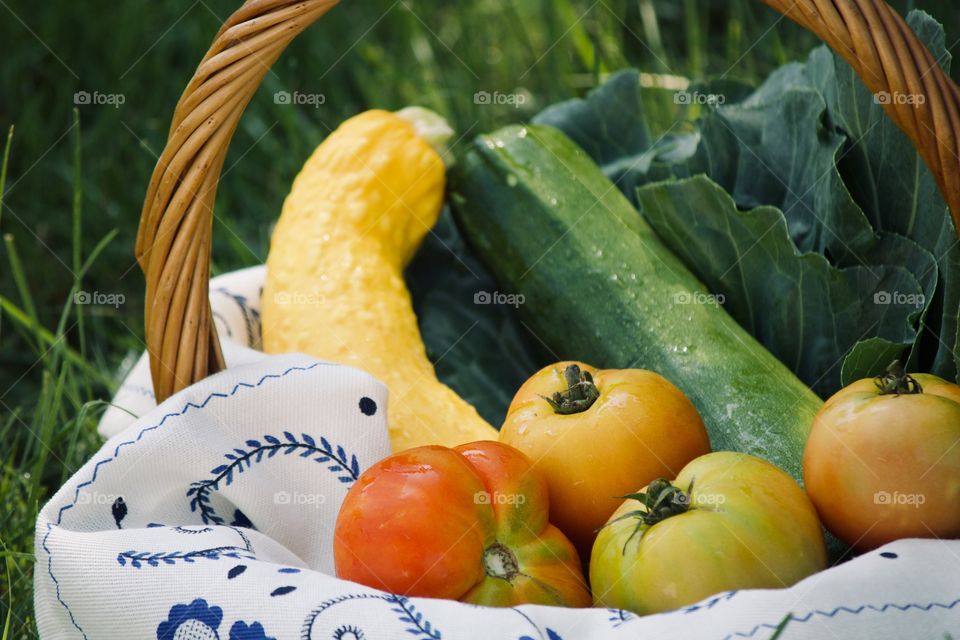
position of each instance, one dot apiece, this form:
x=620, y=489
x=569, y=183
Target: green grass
x=71, y=201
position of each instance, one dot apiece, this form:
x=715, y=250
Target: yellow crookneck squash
x=355, y=216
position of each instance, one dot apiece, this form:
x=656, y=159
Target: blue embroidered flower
x=195, y=620
x=254, y=631
x=200, y=621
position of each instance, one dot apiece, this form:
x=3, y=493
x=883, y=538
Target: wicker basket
x=174, y=240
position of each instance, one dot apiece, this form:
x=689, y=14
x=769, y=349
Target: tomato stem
x=500, y=562
x=660, y=501
x=897, y=381
x=580, y=395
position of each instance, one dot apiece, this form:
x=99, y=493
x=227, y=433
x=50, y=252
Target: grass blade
x=780, y=627
x=77, y=219
x=26, y=299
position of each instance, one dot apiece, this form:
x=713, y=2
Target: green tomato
x=728, y=521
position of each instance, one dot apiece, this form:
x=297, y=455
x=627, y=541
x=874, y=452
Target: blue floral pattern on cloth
x=417, y=625
x=336, y=460
x=138, y=559
x=197, y=621
x=154, y=558
x=414, y=622
x=201, y=621
x=243, y=631
x=251, y=317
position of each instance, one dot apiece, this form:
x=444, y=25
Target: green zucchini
x=599, y=286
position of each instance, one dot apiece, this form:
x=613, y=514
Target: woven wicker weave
x=176, y=227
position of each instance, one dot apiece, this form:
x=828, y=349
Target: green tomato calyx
x=580, y=395
x=500, y=562
x=896, y=381
x=660, y=501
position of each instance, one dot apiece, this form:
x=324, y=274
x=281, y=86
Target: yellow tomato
x=728, y=521
x=596, y=435
x=882, y=461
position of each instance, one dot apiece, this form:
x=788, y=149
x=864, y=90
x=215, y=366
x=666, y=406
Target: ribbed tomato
x=468, y=524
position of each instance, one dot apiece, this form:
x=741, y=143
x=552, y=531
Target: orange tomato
x=468, y=524
x=599, y=434
x=882, y=461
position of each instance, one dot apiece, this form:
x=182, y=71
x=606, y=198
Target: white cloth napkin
x=211, y=516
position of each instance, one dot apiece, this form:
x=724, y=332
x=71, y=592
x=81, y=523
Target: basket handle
x=872, y=37
x=176, y=226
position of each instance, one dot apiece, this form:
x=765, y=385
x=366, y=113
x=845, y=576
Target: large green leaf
x=778, y=147
x=775, y=150
x=805, y=311
x=889, y=180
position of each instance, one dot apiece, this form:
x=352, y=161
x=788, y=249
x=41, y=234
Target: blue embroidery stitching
x=340, y=633
x=154, y=558
x=806, y=617
x=116, y=452
x=337, y=461
x=179, y=529
x=531, y=623
x=409, y=614
x=223, y=323
x=619, y=616
x=251, y=316
x=307, y=631
x=709, y=604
